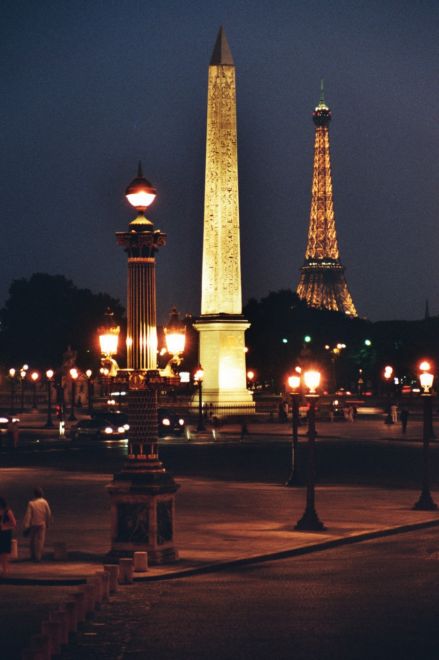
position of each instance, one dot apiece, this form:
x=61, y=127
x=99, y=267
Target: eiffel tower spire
x=322, y=282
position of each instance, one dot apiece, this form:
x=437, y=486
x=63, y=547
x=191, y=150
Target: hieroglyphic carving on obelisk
x=221, y=281
x=221, y=325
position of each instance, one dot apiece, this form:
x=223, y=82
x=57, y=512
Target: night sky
x=89, y=87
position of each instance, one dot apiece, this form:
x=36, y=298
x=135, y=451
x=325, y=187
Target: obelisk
x=221, y=325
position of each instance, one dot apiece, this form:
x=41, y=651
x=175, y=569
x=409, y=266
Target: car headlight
x=166, y=421
x=181, y=421
x=108, y=430
x=126, y=427
x=4, y=420
x=121, y=429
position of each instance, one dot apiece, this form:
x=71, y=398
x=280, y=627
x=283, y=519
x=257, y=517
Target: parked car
x=171, y=422
x=98, y=428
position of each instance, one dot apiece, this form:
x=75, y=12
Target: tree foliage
x=45, y=314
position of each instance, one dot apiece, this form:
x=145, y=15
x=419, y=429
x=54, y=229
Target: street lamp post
x=35, y=376
x=22, y=384
x=425, y=501
x=143, y=492
x=49, y=379
x=294, y=384
x=198, y=378
x=388, y=374
x=12, y=381
x=73, y=376
x=89, y=375
x=310, y=520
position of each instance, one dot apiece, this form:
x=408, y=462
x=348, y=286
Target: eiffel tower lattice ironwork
x=322, y=281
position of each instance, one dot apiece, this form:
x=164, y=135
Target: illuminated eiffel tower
x=322, y=281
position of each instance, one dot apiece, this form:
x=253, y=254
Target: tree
x=45, y=314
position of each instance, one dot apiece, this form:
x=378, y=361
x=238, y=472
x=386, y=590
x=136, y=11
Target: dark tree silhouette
x=46, y=313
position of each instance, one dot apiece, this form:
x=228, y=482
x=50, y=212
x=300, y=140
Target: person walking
x=36, y=522
x=7, y=525
x=394, y=413
x=404, y=417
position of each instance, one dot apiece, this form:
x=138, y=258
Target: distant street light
x=294, y=385
x=49, y=379
x=310, y=520
x=12, y=373
x=198, y=378
x=89, y=375
x=22, y=383
x=425, y=501
x=73, y=376
x=35, y=376
x=388, y=374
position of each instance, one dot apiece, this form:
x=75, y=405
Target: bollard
x=41, y=644
x=126, y=571
x=105, y=581
x=113, y=572
x=81, y=611
x=59, y=551
x=14, y=550
x=53, y=630
x=89, y=590
x=61, y=617
x=140, y=562
x=97, y=586
x=71, y=607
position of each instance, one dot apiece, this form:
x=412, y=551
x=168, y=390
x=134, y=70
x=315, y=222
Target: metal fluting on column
x=142, y=333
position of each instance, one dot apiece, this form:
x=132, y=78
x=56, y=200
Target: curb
x=242, y=561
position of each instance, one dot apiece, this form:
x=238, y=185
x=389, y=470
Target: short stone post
x=140, y=562
x=126, y=571
x=113, y=572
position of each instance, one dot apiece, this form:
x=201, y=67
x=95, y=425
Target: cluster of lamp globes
x=311, y=380
x=426, y=377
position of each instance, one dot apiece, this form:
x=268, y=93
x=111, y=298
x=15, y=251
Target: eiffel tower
x=322, y=281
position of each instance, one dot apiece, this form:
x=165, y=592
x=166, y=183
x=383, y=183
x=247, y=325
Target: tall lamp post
x=425, y=501
x=143, y=492
x=388, y=374
x=198, y=378
x=12, y=373
x=23, y=373
x=310, y=520
x=35, y=377
x=49, y=380
x=73, y=377
x=89, y=375
x=294, y=385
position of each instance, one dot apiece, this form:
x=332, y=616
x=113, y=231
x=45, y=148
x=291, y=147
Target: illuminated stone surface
x=221, y=326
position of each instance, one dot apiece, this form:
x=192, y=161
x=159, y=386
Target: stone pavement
x=216, y=521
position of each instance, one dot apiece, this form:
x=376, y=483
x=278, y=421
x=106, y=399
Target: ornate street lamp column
x=425, y=501
x=12, y=373
x=294, y=384
x=143, y=493
x=310, y=522
x=49, y=380
x=198, y=378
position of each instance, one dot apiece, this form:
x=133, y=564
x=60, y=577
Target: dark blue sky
x=89, y=87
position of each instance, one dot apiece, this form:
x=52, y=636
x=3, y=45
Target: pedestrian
x=36, y=522
x=404, y=417
x=7, y=525
x=394, y=413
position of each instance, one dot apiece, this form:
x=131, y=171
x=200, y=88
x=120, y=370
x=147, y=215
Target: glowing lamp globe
x=294, y=382
x=199, y=374
x=109, y=335
x=12, y=373
x=175, y=334
x=74, y=373
x=312, y=380
x=140, y=193
x=89, y=373
x=49, y=374
x=424, y=366
x=250, y=375
x=35, y=376
x=388, y=371
x=426, y=380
